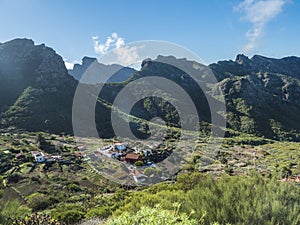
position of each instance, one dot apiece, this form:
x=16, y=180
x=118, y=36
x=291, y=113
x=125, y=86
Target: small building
x=120, y=146
x=147, y=152
x=140, y=178
x=38, y=156
x=132, y=158
x=116, y=155
x=55, y=157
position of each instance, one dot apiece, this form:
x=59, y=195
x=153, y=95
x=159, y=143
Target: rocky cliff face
x=35, y=85
x=262, y=94
x=41, y=65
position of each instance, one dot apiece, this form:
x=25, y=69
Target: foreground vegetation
x=241, y=184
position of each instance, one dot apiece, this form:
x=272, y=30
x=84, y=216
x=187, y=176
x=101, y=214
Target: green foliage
x=149, y=171
x=39, y=202
x=74, y=187
x=139, y=163
x=99, y=212
x=153, y=216
x=69, y=214
x=235, y=200
x=249, y=200
x=11, y=210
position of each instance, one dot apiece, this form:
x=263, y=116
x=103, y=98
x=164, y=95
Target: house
x=38, y=156
x=116, y=155
x=132, y=158
x=55, y=157
x=120, y=146
x=147, y=152
x=140, y=178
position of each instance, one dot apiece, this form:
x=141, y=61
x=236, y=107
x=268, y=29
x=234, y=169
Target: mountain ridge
x=262, y=94
x=95, y=72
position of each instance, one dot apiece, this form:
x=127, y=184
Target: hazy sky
x=213, y=29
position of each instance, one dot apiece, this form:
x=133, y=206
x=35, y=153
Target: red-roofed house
x=132, y=158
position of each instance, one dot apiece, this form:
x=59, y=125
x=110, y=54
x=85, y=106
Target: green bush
x=153, y=216
x=11, y=210
x=237, y=200
x=139, y=163
x=99, y=212
x=69, y=214
x=39, y=202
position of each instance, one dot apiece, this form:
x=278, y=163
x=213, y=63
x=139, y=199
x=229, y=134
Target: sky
x=213, y=29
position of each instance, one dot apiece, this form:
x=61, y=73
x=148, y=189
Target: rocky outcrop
x=35, y=87
x=93, y=72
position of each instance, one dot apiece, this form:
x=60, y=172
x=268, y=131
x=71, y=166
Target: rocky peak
x=243, y=65
x=96, y=72
x=243, y=60
x=36, y=65
x=88, y=60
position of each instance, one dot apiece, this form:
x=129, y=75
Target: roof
x=34, y=153
x=118, y=144
x=19, y=155
x=133, y=156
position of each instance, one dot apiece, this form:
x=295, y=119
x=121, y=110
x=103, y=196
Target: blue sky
x=213, y=29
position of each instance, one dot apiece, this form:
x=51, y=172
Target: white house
x=38, y=156
x=120, y=146
x=139, y=178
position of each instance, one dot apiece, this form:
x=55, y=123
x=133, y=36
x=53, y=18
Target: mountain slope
x=95, y=72
x=262, y=95
x=36, y=89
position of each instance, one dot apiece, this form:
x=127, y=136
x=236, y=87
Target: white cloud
x=69, y=65
x=259, y=13
x=125, y=54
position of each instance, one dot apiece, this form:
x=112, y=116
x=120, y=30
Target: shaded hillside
x=36, y=90
x=262, y=94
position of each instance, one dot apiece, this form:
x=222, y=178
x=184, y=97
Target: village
x=140, y=161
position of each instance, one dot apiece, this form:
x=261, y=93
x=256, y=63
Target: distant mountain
x=95, y=72
x=262, y=94
x=35, y=87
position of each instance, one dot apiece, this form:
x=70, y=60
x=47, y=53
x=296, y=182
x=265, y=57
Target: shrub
x=153, y=216
x=100, y=212
x=149, y=171
x=139, y=163
x=69, y=214
x=11, y=210
x=39, y=202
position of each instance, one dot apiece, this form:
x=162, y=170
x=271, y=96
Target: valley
x=206, y=174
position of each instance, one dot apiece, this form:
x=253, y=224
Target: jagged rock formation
x=95, y=72
x=35, y=87
x=262, y=94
